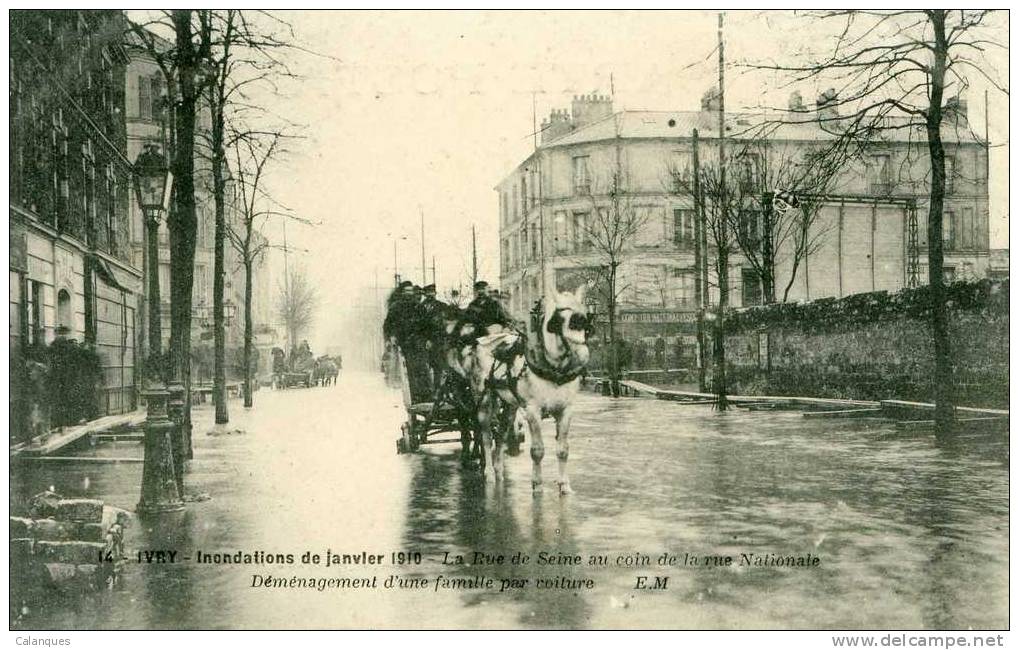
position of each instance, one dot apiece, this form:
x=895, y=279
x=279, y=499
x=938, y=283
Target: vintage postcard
x=510, y=320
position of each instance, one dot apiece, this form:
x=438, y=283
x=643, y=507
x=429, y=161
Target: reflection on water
x=910, y=534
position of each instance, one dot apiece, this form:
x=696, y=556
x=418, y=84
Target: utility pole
x=700, y=255
x=474, y=256
x=396, y=267
x=433, y=269
x=541, y=195
x=723, y=255
x=987, y=144
x=424, y=275
x=286, y=284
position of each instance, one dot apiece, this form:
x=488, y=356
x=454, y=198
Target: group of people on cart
x=417, y=323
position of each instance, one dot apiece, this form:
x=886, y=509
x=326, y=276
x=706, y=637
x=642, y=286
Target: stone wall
x=65, y=544
x=872, y=346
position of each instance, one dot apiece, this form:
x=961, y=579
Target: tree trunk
x=219, y=272
x=181, y=225
x=767, y=253
x=720, y=388
x=943, y=379
x=249, y=399
x=614, y=374
x=700, y=264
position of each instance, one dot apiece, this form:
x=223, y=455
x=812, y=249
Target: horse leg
x=485, y=426
x=537, y=445
x=562, y=428
x=499, y=422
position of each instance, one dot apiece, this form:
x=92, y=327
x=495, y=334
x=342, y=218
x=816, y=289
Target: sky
x=421, y=113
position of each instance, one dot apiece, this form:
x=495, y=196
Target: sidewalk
x=61, y=437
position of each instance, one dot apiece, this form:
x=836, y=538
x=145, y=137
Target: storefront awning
x=114, y=276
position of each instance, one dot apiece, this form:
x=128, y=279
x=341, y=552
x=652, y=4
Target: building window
x=88, y=173
x=967, y=237
x=65, y=315
x=683, y=221
x=534, y=241
x=881, y=173
x=751, y=287
x=682, y=171
x=150, y=97
x=581, y=175
x=34, y=313
x=523, y=194
x=504, y=251
x=749, y=229
x=581, y=233
x=111, y=209
x=949, y=174
x=201, y=285
x=948, y=229
x=516, y=201
x=560, y=232
x=59, y=184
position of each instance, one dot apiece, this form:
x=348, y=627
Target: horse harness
x=537, y=359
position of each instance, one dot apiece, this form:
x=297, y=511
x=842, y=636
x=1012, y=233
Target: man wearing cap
x=433, y=314
x=485, y=311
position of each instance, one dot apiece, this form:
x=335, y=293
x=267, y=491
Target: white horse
x=543, y=380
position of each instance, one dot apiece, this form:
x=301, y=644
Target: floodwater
x=908, y=534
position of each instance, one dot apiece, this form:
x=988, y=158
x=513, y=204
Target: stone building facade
x=72, y=272
x=863, y=234
x=146, y=116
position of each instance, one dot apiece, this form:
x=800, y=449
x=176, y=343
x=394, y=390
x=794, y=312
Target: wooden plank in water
x=85, y=459
x=923, y=407
x=928, y=425
x=848, y=413
x=57, y=440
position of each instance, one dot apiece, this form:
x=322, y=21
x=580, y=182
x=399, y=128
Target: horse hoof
x=536, y=487
x=564, y=489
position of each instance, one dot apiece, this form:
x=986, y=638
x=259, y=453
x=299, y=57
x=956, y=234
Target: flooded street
x=908, y=534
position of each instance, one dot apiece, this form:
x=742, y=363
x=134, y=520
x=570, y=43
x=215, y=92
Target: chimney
x=711, y=100
x=956, y=109
x=796, y=104
x=557, y=125
x=590, y=108
x=828, y=110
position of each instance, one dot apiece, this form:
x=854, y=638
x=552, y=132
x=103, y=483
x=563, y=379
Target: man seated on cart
x=485, y=313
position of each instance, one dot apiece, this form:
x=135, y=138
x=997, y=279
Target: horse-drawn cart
x=451, y=409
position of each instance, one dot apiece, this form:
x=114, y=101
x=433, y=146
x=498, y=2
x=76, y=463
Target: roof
x=680, y=124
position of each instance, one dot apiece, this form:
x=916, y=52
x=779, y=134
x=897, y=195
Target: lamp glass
x=150, y=177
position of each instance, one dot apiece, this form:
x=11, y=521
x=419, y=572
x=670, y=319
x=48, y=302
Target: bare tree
x=776, y=192
x=891, y=71
x=607, y=234
x=296, y=305
x=243, y=55
x=252, y=153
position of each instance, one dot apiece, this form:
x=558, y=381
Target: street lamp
x=152, y=184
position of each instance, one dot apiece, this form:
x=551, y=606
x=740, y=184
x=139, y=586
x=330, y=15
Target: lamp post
x=160, y=493
x=152, y=185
